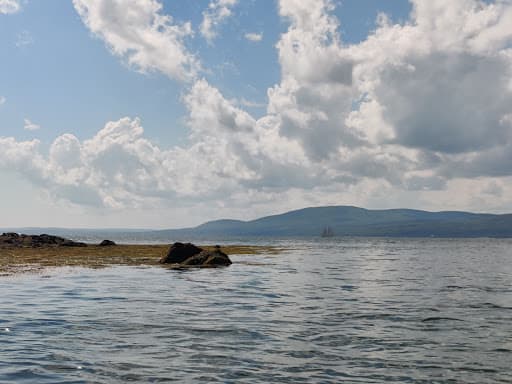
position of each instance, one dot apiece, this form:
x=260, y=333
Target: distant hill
x=353, y=221
x=339, y=220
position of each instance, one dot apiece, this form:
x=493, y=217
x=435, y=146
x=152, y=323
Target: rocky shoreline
x=12, y=239
x=40, y=251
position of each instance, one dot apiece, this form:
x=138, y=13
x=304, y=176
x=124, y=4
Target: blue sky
x=274, y=123
x=63, y=79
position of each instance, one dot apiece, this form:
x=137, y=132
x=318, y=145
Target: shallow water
x=326, y=311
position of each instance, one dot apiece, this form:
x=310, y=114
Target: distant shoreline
x=342, y=221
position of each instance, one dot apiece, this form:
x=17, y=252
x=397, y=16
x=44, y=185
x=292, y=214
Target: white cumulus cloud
x=30, y=126
x=138, y=32
x=254, y=37
x=9, y=6
x=23, y=39
x=417, y=114
x=216, y=13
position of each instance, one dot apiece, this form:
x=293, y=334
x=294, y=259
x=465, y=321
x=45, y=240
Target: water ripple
x=327, y=311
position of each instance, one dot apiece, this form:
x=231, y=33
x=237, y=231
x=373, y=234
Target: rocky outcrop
x=191, y=256
x=107, y=243
x=208, y=258
x=180, y=252
x=12, y=239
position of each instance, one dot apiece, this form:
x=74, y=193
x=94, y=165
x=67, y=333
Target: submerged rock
x=107, y=243
x=190, y=255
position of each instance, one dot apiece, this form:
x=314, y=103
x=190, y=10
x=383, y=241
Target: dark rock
x=9, y=238
x=217, y=258
x=196, y=260
x=189, y=255
x=45, y=239
x=180, y=252
x=71, y=243
x=10, y=235
x=208, y=259
x=107, y=243
x=36, y=241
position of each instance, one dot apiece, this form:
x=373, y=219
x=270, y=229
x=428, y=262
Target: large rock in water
x=190, y=255
x=180, y=252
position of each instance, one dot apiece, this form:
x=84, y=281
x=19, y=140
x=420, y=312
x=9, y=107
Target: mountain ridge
x=313, y=221
x=355, y=221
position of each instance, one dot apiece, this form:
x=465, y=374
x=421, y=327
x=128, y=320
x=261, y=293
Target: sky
x=167, y=113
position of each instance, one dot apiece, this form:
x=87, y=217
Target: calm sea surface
x=325, y=311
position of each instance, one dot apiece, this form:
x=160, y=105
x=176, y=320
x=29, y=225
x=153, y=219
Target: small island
x=21, y=253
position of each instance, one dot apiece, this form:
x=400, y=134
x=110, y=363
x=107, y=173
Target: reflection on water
x=327, y=311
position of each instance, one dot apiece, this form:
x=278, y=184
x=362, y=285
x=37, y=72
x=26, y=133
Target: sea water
x=323, y=311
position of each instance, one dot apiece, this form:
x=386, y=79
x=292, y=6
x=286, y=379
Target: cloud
x=9, y=6
x=30, y=126
x=251, y=104
x=254, y=37
x=23, y=39
x=494, y=188
x=138, y=32
x=230, y=154
x=22, y=157
x=118, y=167
x=218, y=11
x=417, y=114
x=433, y=103
x=424, y=75
x=3, y=100
x=410, y=86
x=315, y=95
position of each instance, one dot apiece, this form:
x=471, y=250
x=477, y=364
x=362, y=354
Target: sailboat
x=327, y=232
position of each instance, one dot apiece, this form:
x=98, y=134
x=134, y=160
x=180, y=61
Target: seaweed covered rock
x=190, y=255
